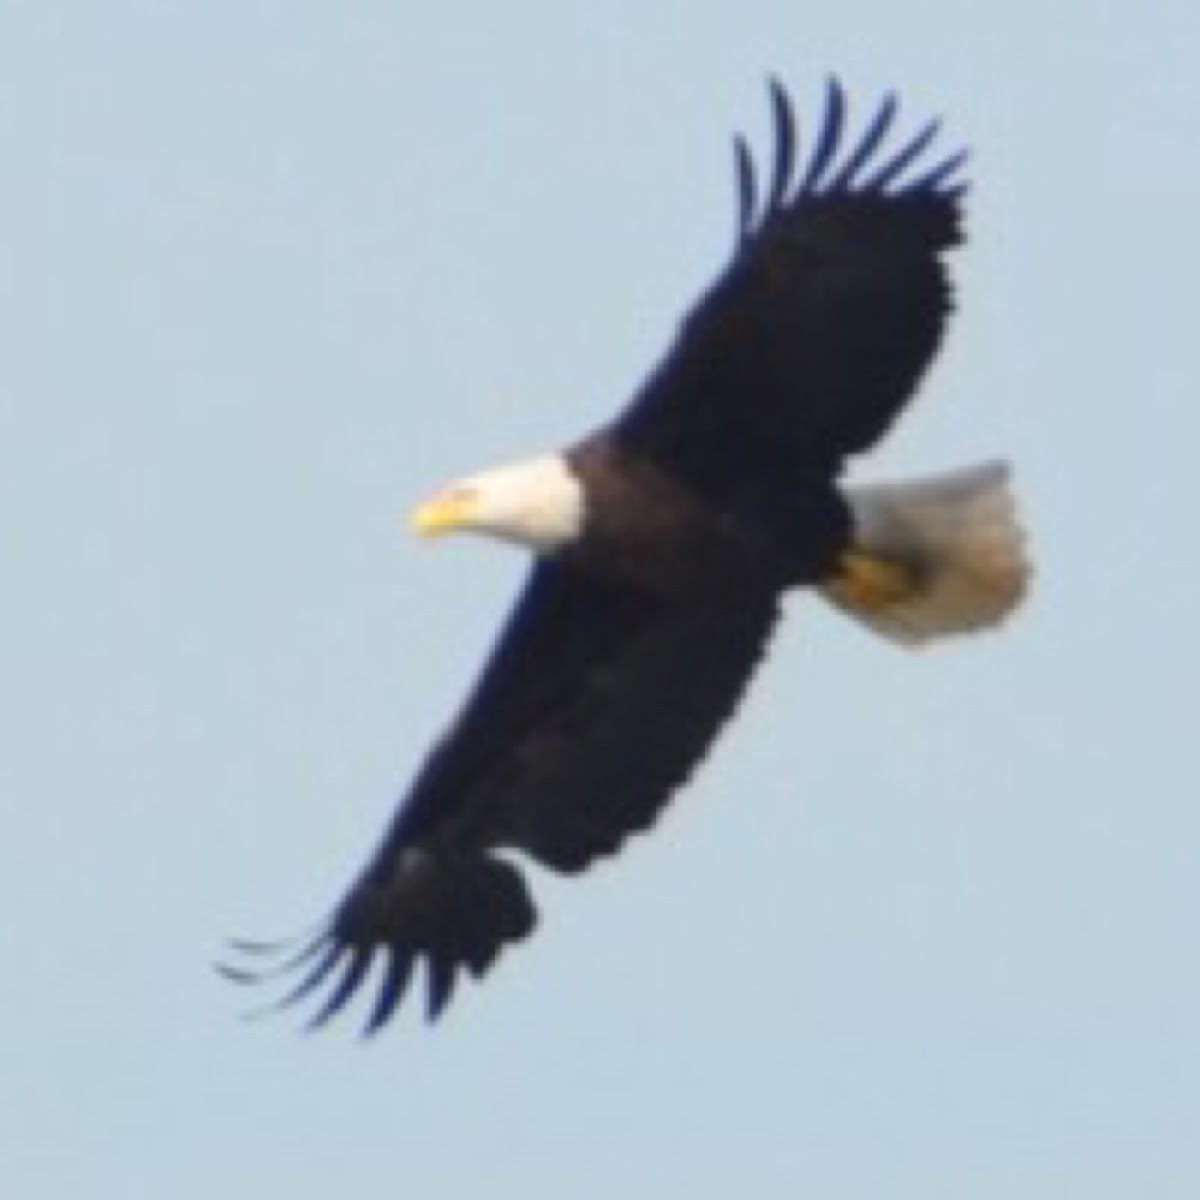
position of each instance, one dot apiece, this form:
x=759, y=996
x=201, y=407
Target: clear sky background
x=928, y=926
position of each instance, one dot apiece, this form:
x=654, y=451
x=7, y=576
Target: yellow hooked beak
x=446, y=512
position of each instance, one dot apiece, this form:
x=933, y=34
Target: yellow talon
x=871, y=583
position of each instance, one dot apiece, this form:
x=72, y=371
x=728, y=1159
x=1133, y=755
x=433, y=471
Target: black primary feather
x=785, y=145
x=828, y=139
x=746, y=188
x=898, y=163
x=869, y=142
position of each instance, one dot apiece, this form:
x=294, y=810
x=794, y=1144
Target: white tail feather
x=957, y=536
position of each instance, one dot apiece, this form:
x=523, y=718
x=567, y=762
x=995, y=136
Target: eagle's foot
x=869, y=583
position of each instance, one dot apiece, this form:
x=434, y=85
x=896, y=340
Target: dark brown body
x=648, y=528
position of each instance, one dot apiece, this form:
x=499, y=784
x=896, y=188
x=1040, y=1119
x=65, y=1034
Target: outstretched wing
x=594, y=707
x=817, y=332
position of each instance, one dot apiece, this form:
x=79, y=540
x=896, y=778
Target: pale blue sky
x=926, y=927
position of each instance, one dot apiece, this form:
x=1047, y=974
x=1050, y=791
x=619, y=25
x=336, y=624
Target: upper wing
x=594, y=706
x=815, y=335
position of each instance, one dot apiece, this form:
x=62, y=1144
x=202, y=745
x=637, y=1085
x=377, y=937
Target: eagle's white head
x=537, y=503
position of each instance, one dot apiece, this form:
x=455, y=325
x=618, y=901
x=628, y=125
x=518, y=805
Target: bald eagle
x=663, y=545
